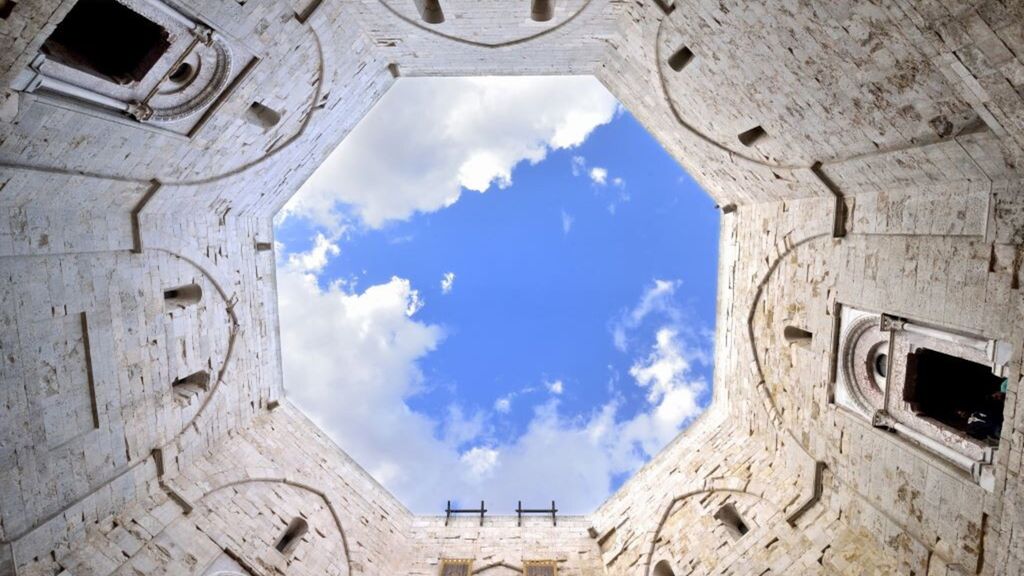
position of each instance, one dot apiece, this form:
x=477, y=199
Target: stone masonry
x=865, y=154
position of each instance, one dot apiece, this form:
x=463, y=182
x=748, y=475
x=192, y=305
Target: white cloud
x=481, y=461
x=579, y=165
x=428, y=138
x=446, y=282
x=599, y=175
x=351, y=362
x=503, y=404
x=657, y=298
x=567, y=222
x=314, y=260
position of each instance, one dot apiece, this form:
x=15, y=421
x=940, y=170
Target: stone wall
x=887, y=177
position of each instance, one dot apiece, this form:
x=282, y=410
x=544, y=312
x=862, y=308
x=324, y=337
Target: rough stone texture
x=889, y=179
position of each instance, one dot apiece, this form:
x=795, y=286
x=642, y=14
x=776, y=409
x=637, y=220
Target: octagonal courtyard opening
x=499, y=289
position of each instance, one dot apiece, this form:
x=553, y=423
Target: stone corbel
x=203, y=33
x=889, y=323
x=140, y=111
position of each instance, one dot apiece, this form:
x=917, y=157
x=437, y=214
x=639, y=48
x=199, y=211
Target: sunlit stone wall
x=879, y=167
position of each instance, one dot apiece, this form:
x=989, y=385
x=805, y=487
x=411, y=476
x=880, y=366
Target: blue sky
x=514, y=301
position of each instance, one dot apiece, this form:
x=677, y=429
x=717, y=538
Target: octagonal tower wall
x=879, y=166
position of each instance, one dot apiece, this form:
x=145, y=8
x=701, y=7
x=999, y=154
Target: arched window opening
x=942, y=389
x=957, y=393
x=732, y=521
x=663, y=569
x=182, y=296
x=262, y=116
x=430, y=11
x=290, y=539
x=542, y=10
x=798, y=336
x=106, y=39
x=753, y=136
x=680, y=59
x=191, y=386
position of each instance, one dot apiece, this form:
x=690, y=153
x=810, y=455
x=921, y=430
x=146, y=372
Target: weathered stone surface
x=906, y=117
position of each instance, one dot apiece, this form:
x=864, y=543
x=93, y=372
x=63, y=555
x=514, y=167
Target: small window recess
x=732, y=521
x=182, y=297
x=456, y=567
x=263, y=116
x=795, y=335
x=753, y=136
x=191, y=386
x=663, y=568
x=680, y=59
x=430, y=11
x=264, y=246
x=108, y=40
x=291, y=537
x=542, y=10
x=6, y=7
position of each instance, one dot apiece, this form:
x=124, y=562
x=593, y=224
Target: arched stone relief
x=863, y=363
x=241, y=477
x=257, y=540
x=195, y=315
x=473, y=21
x=731, y=490
x=752, y=125
x=142, y=453
x=866, y=336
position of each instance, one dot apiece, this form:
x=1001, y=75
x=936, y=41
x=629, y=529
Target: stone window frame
x=877, y=398
x=446, y=562
x=528, y=564
x=37, y=85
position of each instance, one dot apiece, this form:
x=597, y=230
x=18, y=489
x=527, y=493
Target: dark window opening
x=106, y=39
x=430, y=11
x=455, y=567
x=262, y=115
x=264, y=246
x=6, y=7
x=732, y=520
x=182, y=74
x=958, y=393
x=663, y=569
x=183, y=296
x=542, y=10
x=753, y=136
x=798, y=336
x=882, y=365
x=290, y=539
x=191, y=386
x=680, y=59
